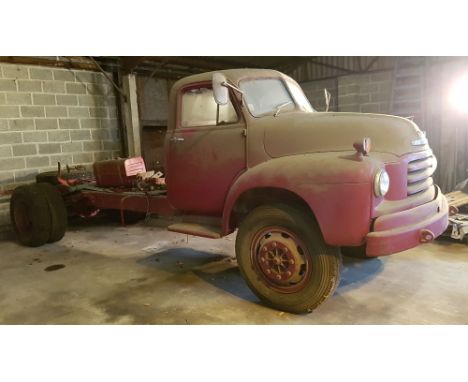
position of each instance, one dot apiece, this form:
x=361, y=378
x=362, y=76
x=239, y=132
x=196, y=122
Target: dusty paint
x=324, y=132
x=310, y=155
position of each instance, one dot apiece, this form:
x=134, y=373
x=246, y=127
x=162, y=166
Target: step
x=203, y=230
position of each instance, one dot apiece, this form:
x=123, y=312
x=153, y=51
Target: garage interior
x=78, y=110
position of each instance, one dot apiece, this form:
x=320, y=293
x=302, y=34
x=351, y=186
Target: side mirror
x=327, y=99
x=220, y=91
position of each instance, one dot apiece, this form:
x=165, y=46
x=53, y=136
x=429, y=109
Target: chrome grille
x=420, y=171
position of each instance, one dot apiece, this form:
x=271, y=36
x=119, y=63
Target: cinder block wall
x=365, y=93
x=314, y=90
x=49, y=115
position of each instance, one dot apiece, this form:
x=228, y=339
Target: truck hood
x=301, y=133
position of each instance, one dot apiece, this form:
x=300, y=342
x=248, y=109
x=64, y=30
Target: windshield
x=271, y=96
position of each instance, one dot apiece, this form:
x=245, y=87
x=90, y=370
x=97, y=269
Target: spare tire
x=30, y=215
x=57, y=209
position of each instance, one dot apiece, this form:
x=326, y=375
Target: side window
x=200, y=109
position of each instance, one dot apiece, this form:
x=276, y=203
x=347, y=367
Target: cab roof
x=233, y=75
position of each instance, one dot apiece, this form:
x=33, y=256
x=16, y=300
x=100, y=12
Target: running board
x=194, y=229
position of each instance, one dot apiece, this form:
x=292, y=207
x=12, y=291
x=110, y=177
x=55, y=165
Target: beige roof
x=233, y=75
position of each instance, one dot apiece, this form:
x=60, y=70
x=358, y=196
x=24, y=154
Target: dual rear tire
x=38, y=214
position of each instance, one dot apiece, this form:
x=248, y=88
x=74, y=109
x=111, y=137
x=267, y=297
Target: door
x=207, y=151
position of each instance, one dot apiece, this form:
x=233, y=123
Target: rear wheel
x=30, y=216
x=284, y=259
x=57, y=210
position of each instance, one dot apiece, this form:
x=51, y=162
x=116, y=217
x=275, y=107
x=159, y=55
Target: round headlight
x=381, y=183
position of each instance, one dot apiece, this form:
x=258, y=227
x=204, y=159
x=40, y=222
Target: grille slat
x=416, y=176
x=420, y=164
x=420, y=186
x=420, y=171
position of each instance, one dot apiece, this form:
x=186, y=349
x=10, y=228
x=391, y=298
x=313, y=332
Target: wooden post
x=131, y=116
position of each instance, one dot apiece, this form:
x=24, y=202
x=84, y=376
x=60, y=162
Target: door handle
x=176, y=139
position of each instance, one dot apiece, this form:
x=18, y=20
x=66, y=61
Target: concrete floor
x=145, y=275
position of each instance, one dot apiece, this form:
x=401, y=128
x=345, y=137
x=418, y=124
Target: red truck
x=245, y=150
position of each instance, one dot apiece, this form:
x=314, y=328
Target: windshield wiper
x=280, y=106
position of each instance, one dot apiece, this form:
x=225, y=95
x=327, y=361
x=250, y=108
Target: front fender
x=337, y=187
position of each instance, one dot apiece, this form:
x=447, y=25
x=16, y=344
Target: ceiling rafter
x=57, y=62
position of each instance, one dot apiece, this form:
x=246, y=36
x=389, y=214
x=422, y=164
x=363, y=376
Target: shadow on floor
x=222, y=271
x=218, y=270
x=357, y=272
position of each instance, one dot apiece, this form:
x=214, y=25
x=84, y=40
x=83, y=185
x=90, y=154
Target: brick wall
x=365, y=93
x=49, y=115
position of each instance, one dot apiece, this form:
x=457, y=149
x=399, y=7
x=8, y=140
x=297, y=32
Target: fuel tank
x=118, y=172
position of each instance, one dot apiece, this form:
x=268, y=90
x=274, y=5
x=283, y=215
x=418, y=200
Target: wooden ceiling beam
x=129, y=63
x=233, y=64
x=61, y=62
x=371, y=63
x=192, y=62
x=314, y=60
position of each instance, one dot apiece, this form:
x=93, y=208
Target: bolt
x=291, y=262
x=278, y=277
x=264, y=249
x=288, y=273
x=262, y=259
x=274, y=244
x=268, y=271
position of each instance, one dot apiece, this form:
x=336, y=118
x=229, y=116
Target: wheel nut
x=291, y=262
x=288, y=273
x=264, y=249
x=262, y=259
x=268, y=271
x=278, y=277
x=274, y=244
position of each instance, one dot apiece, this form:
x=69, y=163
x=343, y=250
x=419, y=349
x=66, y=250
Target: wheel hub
x=280, y=258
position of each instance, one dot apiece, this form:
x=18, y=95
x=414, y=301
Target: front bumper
x=403, y=230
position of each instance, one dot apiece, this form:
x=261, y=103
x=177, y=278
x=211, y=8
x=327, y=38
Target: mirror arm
x=235, y=88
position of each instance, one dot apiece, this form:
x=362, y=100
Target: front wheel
x=284, y=259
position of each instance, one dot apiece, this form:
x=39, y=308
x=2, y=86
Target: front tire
x=284, y=259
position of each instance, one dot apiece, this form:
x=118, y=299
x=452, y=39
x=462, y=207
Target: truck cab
x=246, y=151
x=360, y=175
